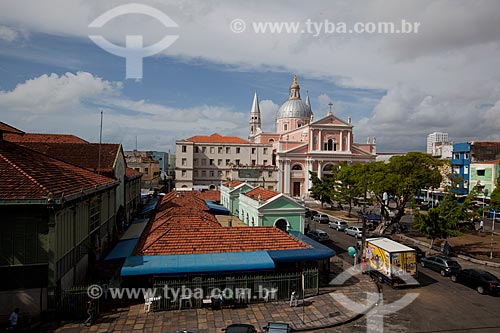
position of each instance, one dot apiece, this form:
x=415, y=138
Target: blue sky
x=53, y=78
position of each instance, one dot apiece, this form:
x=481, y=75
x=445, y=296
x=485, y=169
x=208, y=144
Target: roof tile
x=217, y=138
x=264, y=194
x=44, y=138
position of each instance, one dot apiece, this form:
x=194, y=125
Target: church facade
x=302, y=144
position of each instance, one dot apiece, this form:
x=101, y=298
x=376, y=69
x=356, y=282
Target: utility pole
x=100, y=142
x=363, y=232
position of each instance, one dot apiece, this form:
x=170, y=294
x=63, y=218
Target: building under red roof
x=233, y=183
x=44, y=138
x=217, y=138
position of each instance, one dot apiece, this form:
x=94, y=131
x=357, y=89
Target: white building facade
x=435, y=137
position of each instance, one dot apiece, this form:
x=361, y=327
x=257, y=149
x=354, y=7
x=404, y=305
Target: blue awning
x=180, y=264
x=216, y=208
x=122, y=250
x=317, y=252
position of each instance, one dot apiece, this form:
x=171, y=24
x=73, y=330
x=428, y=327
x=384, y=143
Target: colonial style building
x=302, y=144
x=208, y=161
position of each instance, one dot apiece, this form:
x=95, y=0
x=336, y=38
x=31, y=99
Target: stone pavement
x=318, y=312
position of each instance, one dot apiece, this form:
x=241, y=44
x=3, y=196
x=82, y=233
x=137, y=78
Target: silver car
x=357, y=232
x=338, y=225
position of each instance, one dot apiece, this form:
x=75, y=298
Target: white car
x=357, y=232
x=338, y=225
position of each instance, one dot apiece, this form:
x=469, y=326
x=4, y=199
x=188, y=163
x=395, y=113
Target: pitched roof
x=9, y=129
x=45, y=138
x=264, y=194
x=210, y=195
x=27, y=174
x=233, y=183
x=182, y=225
x=217, y=138
x=83, y=155
x=132, y=173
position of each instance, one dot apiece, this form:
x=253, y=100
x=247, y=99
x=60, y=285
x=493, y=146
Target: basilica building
x=302, y=144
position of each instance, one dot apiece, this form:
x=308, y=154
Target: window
x=480, y=172
x=253, y=162
x=219, y=150
x=211, y=161
x=228, y=162
x=184, y=173
x=466, y=170
x=184, y=161
x=237, y=150
x=270, y=187
x=228, y=173
x=299, y=125
x=271, y=140
x=456, y=156
x=228, y=150
x=212, y=150
x=184, y=149
x=237, y=162
x=137, y=169
x=146, y=171
x=195, y=161
x=285, y=127
x=212, y=173
x=265, y=162
x=203, y=173
x=195, y=173
x=456, y=170
x=196, y=150
x=265, y=151
x=203, y=161
x=466, y=184
x=253, y=150
x=466, y=156
x=203, y=149
x=220, y=173
x=297, y=167
x=269, y=174
x=219, y=162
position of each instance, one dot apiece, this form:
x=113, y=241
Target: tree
x=402, y=178
x=350, y=184
x=495, y=196
x=432, y=225
x=321, y=188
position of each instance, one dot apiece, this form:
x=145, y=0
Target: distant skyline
x=399, y=88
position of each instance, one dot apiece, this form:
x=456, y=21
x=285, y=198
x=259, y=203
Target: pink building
x=302, y=144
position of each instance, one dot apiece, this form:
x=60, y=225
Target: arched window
x=297, y=167
x=330, y=145
x=285, y=127
x=281, y=224
x=271, y=140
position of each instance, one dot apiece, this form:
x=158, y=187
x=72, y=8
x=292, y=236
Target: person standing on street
x=446, y=248
x=14, y=317
x=481, y=226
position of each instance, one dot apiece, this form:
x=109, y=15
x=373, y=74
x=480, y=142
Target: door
x=296, y=189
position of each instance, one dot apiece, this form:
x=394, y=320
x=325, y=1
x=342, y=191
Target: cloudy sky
x=397, y=87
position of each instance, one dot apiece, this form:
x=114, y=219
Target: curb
x=461, y=256
x=347, y=321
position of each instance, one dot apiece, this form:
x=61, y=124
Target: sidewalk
x=319, y=312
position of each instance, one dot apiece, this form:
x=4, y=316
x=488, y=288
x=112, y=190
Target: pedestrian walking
x=293, y=297
x=14, y=317
x=446, y=248
x=91, y=313
x=481, y=226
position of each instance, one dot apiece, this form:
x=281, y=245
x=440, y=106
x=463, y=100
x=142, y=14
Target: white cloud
x=268, y=111
x=7, y=34
x=436, y=79
x=71, y=103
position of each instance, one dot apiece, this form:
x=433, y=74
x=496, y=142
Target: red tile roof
x=9, y=129
x=45, y=138
x=83, y=155
x=27, y=174
x=183, y=225
x=217, y=138
x=264, y=194
x=210, y=195
x=132, y=173
x=233, y=183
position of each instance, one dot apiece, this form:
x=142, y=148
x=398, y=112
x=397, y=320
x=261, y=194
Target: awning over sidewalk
x=134, y=230
x=216, y=208
x=122, y=250
x=197, y=263
x=317, y=252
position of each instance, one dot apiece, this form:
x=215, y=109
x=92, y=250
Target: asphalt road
x=441, y=305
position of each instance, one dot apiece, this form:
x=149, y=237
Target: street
x=442, y=305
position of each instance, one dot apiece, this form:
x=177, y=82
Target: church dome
x=294, y=107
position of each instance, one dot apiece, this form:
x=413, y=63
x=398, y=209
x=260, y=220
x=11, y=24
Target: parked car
x=338, y=225
x=357, y=232
x=277, y=328
x=420, y=254
x=444, y=265
x=240, y=328
x=482, y=281
x=318, y=235
x=321, y=218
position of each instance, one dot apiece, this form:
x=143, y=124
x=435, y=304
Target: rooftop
x=217, y=138
x=9, y=129
x=233, y=183
x=183, y=225
x=264, y=194
x=27, y=174
x=45, y=138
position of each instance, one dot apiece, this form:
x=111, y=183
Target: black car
x=444, y=265
x=240, y=328
x=420, y=254
x=482, y=281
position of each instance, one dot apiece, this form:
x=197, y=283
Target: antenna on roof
x=100, y=142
